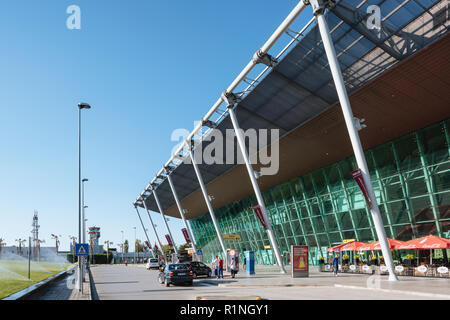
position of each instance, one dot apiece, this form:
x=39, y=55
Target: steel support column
x=181, y=210
x=208, y=201
x=259, y=197
x=164, y=219
x=143, y=228
x=153, y=226
x=353, y=132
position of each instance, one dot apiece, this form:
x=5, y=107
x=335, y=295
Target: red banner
x=186, y=235
x=169, y=240
x=260, y=216
x=357, y=175
x=156, y=247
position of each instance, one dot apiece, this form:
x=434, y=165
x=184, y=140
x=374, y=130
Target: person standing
x=220, y=268
x=233, y=267
x=216, y=266
x=335, y=264
x=244, y=264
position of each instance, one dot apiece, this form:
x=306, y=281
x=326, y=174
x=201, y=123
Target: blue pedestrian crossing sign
x=199, y=252
x=81, y=249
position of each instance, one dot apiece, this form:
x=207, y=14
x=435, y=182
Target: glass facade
x=411, y=178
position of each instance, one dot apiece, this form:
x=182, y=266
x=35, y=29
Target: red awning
x=428, y=242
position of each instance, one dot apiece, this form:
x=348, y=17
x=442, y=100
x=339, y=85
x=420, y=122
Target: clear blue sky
x=147, y=67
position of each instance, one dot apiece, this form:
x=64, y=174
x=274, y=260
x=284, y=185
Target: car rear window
x=178, y=267
x=153, y=260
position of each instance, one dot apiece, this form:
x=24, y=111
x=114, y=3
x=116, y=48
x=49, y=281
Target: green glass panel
x=328, y=193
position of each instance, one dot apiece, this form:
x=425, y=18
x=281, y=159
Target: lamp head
x=83, y=105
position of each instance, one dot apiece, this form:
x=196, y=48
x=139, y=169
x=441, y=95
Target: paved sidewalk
x=86, y=295
x=269, y=276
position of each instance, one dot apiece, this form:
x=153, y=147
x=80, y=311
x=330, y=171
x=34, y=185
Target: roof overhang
x=298, y=97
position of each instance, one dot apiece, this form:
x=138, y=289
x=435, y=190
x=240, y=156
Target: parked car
x=152, y=263
x=199, y=269
x=175, y=274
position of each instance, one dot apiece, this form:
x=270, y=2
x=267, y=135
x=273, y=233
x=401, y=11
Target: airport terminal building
x=397, y=79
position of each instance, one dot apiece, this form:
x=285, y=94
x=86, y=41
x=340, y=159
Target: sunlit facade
x=411, y=177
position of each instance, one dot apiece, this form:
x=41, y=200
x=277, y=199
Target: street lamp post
x=135, y=244
x=107, y=250
x=84, y=209
x=122, y=245
x=81, y=106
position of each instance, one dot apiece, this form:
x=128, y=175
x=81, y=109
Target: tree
x=168, y=249
x=125, y=246
x=183, y=247
x=138, y=246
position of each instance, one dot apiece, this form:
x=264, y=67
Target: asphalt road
x=137, y=283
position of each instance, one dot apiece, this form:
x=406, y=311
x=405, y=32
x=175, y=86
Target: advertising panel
x=299, y=263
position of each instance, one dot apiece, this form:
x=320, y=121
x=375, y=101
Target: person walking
x=335, y=264
x=220, y=268
x=244, y=264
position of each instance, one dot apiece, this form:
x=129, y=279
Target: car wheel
x=190, y=283
x=160, y=279
x=166, y=282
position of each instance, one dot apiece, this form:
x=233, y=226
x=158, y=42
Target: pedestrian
x=244, y=264
x=216, y=267
x=233, y=267
x=213, y=269
x=220, y=268
x=335, y=264
x=126, y=262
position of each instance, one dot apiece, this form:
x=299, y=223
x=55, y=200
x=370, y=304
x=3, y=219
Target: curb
x=93, y=295
x=224, y=285
x=413, y=293
x=232, y=297
x=22, y=294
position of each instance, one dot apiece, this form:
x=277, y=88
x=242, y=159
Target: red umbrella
x=428, y=242
x=393, y=244
x=337, y=248
x=353, y=246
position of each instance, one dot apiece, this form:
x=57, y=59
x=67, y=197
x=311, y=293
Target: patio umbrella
x=337, y=248
x=393, y=244
x=429, y=242
x=353, y=246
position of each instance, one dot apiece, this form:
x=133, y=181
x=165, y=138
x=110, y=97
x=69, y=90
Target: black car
x=176, y=274
x=199, y=269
